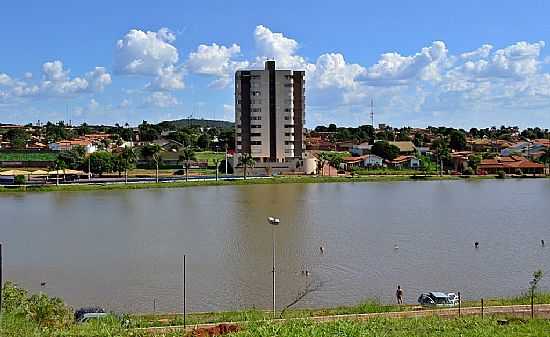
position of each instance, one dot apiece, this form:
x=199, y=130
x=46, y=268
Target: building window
x=255, y=76
x=289, y=134
x=256, y=109
x=255, y=134
x=239, y=143
x=289, y=126
x=256, y=118
x=287, y=118
x=288, y=85
x=289, y=142
x=256, y=142
x=256, y=93
x=254, y=126
x=288, y=110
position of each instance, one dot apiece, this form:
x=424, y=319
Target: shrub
x=19, y=180
x=43, y=310
x=501, y=174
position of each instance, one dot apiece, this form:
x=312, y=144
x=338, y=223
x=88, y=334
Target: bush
x=43, y=310
x=19, y=180
x=501, y=174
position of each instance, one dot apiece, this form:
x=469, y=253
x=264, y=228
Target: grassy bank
x=366, y=307
x=12, y=326
x=250, y=181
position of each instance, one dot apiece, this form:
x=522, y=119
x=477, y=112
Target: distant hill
x=208, y=123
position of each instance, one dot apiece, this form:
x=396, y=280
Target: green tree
x=203, y=141
x=101, y=162
x=385, y=150
x=186, y=157
x=322, y=159
x=247, y=161
x=335, y=159
x=72, y=159
x=152, y=152
x=457, y=140
x=128, y=157
x=473, y=162
x=18, y=138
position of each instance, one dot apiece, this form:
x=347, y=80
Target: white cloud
x=98, y=78
x=145, y=53
x=518, y=60
x=93, y=105
x=125, y=103
x=56, y=82
x=169, y=78
x=481, y=52
x=395, y=69
x=5, y=80
x=149, y=53
x=161, y=100
x=277, y=47
x=331, y=70
x=216, y=60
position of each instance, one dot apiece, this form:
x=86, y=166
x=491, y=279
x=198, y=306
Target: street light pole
x=274, y=222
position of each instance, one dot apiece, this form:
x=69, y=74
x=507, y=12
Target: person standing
x=399, y=294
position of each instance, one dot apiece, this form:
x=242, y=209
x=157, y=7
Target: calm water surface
x=124, y=249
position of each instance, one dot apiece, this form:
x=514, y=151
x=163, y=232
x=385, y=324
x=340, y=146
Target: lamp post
x=273, y=222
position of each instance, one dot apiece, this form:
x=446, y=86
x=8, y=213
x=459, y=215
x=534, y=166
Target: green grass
x=210, y=156
x=250, y=181
x=468, y=327
x=11, y=326
x=27, y=156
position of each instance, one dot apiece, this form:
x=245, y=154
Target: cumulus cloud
x=152, y=54
x=56, y=81
x=277, y=47
x=161, y=100
x=216, y=60
x=5, y=80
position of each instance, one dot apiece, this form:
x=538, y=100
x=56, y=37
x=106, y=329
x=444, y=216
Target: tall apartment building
x=270, y=114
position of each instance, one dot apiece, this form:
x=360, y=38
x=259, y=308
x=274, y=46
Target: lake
x=123, y=249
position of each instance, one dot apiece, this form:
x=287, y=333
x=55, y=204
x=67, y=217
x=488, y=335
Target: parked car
x=453, y=298
x=437, y=299
x=89, y=313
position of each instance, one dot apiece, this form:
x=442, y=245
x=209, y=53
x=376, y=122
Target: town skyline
x=162, y=66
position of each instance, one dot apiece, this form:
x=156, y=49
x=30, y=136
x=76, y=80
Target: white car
x=438, y=299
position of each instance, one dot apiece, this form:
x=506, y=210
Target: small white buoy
x=396, y=247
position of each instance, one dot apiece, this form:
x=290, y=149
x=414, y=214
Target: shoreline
x=250, y=181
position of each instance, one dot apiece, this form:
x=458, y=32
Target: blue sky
x=461, y=63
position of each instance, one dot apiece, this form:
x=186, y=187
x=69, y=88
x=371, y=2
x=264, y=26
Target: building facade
x=270, y=114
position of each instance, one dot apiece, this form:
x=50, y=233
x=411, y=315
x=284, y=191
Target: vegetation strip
x=449, y=312
x=249, y=181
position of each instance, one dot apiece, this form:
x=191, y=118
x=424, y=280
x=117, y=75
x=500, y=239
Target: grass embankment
x=250, y=181
x=12, y=326
x=27, y=156
x=366, y=307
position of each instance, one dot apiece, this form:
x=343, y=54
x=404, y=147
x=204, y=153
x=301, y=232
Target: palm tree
x=322, y=159
x=247, y=161
x=129, y=157
x=216, y=164
x=187, y=155
x=152, y=151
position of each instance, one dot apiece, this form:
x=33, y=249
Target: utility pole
x=184, y=302
x=372, y=113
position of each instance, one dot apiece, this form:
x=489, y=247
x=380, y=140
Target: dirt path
x=541, y=310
